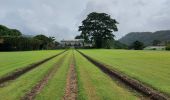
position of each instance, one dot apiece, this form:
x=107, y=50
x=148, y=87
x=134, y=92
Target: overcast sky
x=61, y=18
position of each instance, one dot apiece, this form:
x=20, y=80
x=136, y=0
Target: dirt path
x=14, y=75
x=39, y=86
x=128, y=81
x=71, y=85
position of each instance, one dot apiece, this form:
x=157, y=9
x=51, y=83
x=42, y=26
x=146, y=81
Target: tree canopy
x=97, y=28
x=12, y=39
x=4, y=31
x=78, y=37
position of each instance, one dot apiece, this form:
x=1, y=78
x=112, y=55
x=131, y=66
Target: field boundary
x=134, y=84
x=19, y=72
x=71, y=89
x=30, y=95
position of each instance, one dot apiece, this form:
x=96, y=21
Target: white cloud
x=62, y=18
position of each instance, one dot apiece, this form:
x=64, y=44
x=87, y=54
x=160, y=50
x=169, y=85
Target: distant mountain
x=146, y=37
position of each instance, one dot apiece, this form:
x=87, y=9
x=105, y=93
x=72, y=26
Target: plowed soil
x=71, y=85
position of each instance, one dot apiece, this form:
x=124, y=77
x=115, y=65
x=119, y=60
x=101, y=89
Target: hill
x=146, y=37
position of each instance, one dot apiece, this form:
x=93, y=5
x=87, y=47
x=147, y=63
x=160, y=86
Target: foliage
x=46, y=42
x=4, y=31
x=168, y=47
x=137, y=45
x=20, y=43
x=78, y=37
x=97, y=28
x=12, y=39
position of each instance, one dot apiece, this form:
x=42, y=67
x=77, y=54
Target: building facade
x=72, y=43
x=155, y=48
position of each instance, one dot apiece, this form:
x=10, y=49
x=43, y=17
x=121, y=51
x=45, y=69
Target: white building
x=72, y=43
x=155, y=48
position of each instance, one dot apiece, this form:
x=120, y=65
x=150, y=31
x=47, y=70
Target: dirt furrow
x=19, y=72
x=71, y=85
x=39, y=86
x=130, y=82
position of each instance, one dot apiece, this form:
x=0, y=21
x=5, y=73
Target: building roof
x=156, y=47
x=75, y=40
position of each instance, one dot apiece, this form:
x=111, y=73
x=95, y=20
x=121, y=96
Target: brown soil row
x=19, y=72
x=71, y=85
x=134, y=84
x=39, y=86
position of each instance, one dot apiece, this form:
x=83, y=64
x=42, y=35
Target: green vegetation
x=168, y=47
x=10, y=61
x=137, y=45
x=16, y=89
x=5, y=31
x=150, y=67
x=55, y=88
x=93, y=84
x=97, y=29
x=13, y=39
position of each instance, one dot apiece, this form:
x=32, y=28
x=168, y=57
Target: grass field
x=150, y=67
x=54, y=90
x=50, y=80
x=17, y=88
x=95, y=85
x=10, y=61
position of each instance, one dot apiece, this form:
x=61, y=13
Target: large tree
x=97, y=28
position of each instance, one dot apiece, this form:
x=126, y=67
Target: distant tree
x=156, y=42
x=4, y=30
x=56, y=43
x=78, y=37
x=15, y=32
x=12, y=39
x=97, y=28
x=167, y=47
x=137, y=45
x=44, y=40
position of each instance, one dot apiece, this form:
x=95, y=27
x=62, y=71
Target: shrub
x=168, y=47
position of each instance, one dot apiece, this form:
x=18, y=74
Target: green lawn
x=17, y=88
x=55, y=88
x=10, y=61
x=93, y=84
x=150, y=67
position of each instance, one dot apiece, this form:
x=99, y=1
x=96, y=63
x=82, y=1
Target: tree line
x=13, y=39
